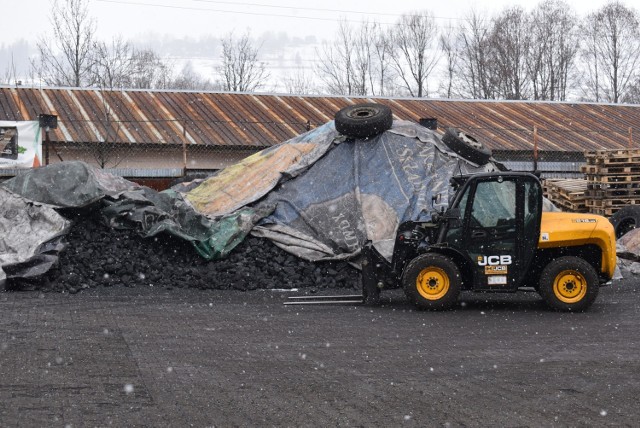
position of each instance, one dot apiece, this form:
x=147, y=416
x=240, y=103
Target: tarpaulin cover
x=124, y=205
x=362, y=191
x=68, y=184
x=28, y=233
x=255, y=176
x=332, y=194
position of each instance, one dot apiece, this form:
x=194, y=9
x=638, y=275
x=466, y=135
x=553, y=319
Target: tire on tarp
x=363, y=120
x=625, y=219
x=466, y=146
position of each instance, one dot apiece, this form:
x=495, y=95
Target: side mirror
x=452, y=215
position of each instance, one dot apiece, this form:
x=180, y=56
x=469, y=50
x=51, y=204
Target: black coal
x=98, y=256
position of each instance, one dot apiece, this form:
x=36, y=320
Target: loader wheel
x=466, y=146
x=569, y=284
x=363, y=120
x=432, y=281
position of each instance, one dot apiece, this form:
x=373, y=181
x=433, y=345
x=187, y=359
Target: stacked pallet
x=613, y=180
x=567, y=194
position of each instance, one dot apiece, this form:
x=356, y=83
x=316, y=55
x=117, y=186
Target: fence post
x=47, y=143
x=535, y=148
x=184, y=147
x=630, y=138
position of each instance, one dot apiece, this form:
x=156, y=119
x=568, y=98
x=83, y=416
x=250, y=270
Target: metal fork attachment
x=345, y=299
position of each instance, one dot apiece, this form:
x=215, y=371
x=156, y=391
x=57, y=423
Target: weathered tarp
x=68, y=184
x=131, y=206
x=150, y=212
x=255, y=176
x=362, y=191
x=27, y=236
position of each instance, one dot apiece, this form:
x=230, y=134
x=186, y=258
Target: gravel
x=98, y=256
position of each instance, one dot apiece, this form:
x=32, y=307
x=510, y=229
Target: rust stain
x=23, y=108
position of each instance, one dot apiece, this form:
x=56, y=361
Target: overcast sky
x=135, y=18
x=155, y=23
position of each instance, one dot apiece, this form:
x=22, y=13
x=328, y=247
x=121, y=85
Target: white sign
x=20, y=144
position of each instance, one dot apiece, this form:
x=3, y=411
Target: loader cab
x=494, y=223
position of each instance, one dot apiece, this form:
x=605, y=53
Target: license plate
x=497, y=280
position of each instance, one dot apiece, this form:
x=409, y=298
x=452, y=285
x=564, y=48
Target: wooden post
x=47, y=142
x=184, y=147
x=535, y=148
x=630, y=138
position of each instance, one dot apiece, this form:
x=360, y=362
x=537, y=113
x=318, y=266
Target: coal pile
x=98, y=256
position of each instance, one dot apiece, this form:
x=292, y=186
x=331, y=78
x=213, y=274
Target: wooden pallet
x=612, y=193
x=612, y=153
x=595, y=185
x=607, y=203
x=567, y=194
x=607, y=212
x=619, y=157
x=573, y=206
x=611, y=170
x=597, y=178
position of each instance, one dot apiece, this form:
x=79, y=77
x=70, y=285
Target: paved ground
x=131, y=357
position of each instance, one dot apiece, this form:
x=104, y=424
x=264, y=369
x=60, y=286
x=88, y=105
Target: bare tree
x=150, y=71
x=241, y=70
x=66, y=58
x=590, y=64
x=553, y=49
x=474, y=77
x=336, y=66
x=415, y=52
x=451, y=53
x=382, y=75
x=299, y=83
x=190, y=79
x=357, y=62
x=632, y=95
x=613, y=46
x=113, y=63
x=508, y=54
x=9, y=75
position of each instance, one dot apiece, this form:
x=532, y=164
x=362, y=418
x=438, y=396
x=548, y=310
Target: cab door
x=500, y=223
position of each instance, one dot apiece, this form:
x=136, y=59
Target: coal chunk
x=99, y=256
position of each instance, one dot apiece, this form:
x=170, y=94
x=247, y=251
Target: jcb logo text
x=494, y=260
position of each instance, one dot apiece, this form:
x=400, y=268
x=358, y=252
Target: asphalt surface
x=185, y=357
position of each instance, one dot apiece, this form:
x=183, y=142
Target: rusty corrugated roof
x=259, y=120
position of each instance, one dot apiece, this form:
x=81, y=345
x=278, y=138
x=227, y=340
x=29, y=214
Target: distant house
x=153, y=134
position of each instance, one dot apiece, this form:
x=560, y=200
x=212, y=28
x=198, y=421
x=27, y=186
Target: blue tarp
x=362, y=190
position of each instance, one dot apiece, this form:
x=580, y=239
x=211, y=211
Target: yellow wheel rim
x=432, y=283
x=570, y=286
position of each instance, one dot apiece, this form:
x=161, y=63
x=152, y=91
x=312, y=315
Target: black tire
x=569, y=284
x=363, y=120
x=626, y=219
x=466, y=146
x=432, y=281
